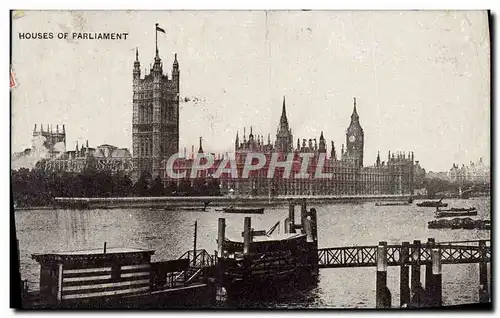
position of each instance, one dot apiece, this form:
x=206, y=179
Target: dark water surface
x=170, y=234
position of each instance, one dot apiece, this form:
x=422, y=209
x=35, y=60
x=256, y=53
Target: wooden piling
x=291, y=218
x=194, y=242
x=484, y=295
x=383, y=298
x=416, y=285
x=221, y=232
x=404, y=281
x=435, y=291
x=247, y=235
x=314, y=224
x=308, y=229
x=428, y=265
x=303, y=215
x=104, y=248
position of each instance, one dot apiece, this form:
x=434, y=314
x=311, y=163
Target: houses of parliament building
x=347, y=174
x=155, y=138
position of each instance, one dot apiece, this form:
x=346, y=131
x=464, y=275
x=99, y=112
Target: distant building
x=102, y=158
x=155, y=119
x=474, y=172
x=45, y=143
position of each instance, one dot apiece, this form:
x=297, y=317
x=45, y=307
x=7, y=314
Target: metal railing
x=363, y=256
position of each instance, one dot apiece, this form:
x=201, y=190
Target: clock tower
x=354, y=140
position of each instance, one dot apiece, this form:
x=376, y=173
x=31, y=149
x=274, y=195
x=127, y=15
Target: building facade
x=155, y=121
x=475, y=172
x=102, y=158
x=347, y=174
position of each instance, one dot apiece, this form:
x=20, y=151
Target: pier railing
x=199, y=258
x=366, y=256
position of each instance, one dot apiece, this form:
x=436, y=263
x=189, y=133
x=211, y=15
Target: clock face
x=352, y=138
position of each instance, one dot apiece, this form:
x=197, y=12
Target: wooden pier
x=432, y=255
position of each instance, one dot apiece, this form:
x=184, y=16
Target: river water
x=170, y=234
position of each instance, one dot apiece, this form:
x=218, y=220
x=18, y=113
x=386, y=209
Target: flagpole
x=156, y=38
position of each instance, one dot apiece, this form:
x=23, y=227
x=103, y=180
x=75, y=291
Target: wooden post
x=416, y=285
x=59, y=282
x=484, y=295
x=308, y=229
x=303, y=213
x=194, y=242
x=104, y=247
x=404, y=281
x=291, y=218
x=220, y=236
x=314, y=224
x=435, y=289
x=247, y=235
x=428, y=265
x=383, y=298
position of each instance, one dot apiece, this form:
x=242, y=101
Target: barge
x=262, y=260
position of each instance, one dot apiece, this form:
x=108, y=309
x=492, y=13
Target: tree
x=171, y=189
x=141, y=187
x=157, y=188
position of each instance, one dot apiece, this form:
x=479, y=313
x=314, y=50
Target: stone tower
x=354, y=141
x=155, y=121
x=53, y=141
x=284, y=138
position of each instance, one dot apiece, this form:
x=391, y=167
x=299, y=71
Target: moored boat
x=262, y=260
x=453, y=213
x=244, y=210
x=433, y=204
x=391, y=203
x=460, y=223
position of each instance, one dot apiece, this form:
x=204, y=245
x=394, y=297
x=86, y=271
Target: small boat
x=448, y=213
x=458, y=223
x=433, y=204
x=193, y=208
x=459, y=209
x=391, y=203
x=244, y=210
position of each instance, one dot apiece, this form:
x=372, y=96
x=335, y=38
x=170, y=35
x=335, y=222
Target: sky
x=421, y=78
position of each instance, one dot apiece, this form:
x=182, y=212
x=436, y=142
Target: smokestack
x=185, y=152
x=57, y=128
x=64, y=130
x=192, y=151
x=34, y=128
x=41, y=127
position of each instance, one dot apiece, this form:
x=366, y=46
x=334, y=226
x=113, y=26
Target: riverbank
x=172, y=202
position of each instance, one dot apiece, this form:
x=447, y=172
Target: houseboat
x=262, y=260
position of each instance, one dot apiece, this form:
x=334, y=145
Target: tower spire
x=136, y=54
x=201, y=147
x=333, y=153
x=354, y=111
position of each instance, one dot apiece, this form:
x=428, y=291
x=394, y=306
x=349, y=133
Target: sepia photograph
x=251, y=159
